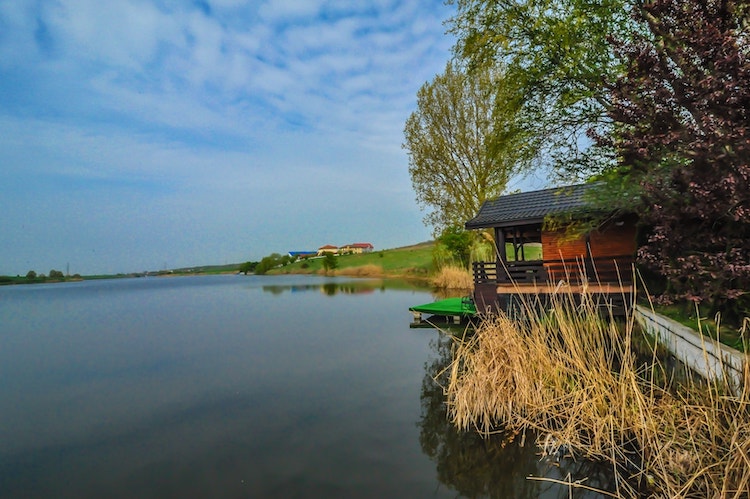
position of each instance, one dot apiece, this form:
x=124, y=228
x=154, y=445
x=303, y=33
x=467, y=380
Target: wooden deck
x=504, y=285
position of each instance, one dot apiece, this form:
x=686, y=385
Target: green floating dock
x=448, y=307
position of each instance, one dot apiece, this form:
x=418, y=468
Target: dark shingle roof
x=529, y=207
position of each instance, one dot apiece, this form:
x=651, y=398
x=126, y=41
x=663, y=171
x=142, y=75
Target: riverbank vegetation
x=413, y=262
x=577, y=380
x=692, y=315
x=453, y=278
x=32, y=277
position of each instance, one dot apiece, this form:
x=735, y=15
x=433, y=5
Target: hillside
x=408, y=261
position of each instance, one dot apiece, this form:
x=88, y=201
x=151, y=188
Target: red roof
x=361, y=245
x=328, y=246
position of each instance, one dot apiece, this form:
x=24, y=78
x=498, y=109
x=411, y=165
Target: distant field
x=210, y=269
x=409, y=261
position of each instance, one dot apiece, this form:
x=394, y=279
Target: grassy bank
x=577, y=381
x=689, y=314
x=406, y=262
x=409, y=262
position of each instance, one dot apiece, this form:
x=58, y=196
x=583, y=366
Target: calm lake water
x=238, y=386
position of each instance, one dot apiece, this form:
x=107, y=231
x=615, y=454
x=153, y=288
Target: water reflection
x=330, y=288
x=499, y=466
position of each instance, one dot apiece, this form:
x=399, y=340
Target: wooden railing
x=521, y=272
x=601, y=269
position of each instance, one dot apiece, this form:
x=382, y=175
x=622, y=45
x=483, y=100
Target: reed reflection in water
x=499, y=466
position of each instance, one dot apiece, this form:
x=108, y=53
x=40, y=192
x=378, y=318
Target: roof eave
x=504, y=223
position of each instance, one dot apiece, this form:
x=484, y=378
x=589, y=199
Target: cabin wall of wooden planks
x=559, y=247
x=613, y=240
x=556, y=245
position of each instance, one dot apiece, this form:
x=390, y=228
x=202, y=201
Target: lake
x=239, y=386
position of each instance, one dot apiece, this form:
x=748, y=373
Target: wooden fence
x=601, y=269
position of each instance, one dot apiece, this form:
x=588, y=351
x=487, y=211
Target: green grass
x=532, y=251
x=7, y=280
x=688, y=315
x=409, y=261
x=209, y=269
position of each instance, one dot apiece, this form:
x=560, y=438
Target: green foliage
x=441, y=257
x=483, y=250
x=556, y=52
x=463, y=143
x=56, y=274
x=329, y=262
x=662, y=89
x=681, y=112
x=453, y=247
x=411, y=261
x=248, y=267
x=31, y=275
x=267, y=263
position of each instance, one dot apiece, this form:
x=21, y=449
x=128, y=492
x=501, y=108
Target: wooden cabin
x=534, y=260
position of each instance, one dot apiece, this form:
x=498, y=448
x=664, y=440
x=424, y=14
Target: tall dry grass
x=573, y=377
x=369, y=270
x=452, y=277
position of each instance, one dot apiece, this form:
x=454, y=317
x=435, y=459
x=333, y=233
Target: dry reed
x=572, y=376
x=369, y=270
x=451, y=277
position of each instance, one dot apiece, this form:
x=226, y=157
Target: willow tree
x=463, y=144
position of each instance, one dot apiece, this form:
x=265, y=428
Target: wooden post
x=500, y=243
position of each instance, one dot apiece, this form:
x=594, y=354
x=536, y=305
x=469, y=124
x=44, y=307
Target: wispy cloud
x=307, y=98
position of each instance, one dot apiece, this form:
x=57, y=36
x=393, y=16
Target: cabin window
x=523, y=244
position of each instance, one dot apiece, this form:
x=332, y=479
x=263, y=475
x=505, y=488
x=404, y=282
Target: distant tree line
x=267, y=263
x=56, y=275
x=32, y=276
x=275, y=260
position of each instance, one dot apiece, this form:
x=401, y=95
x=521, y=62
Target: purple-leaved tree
x=681, y=114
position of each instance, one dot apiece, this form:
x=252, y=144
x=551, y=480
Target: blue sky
x=149, y=134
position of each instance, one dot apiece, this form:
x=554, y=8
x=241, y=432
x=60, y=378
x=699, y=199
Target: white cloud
x=184, y=69
x=123, y=34
x=202, y=114
x=288, y=10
